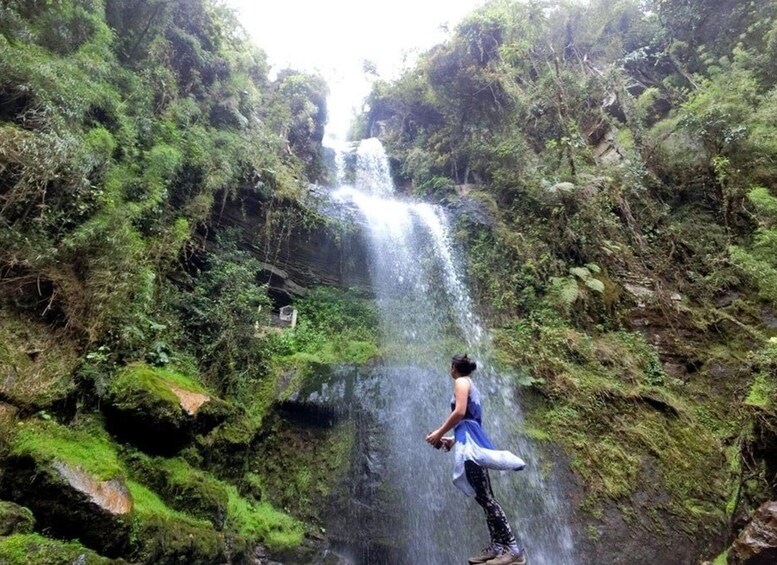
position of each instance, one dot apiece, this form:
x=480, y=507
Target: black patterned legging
x=498, y=526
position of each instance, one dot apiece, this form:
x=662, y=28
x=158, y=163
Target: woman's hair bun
x=464, y=364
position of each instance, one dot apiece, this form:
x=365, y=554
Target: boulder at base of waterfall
x=23, y=549
x=757, y=544
x=15, y=519
x=73, y=484
x=160, y=410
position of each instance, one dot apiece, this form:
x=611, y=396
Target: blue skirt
x=472, y=444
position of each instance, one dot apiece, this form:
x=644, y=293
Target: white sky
x=335, y=37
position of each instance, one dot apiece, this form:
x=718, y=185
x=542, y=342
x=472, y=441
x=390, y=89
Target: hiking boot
x=486, y=554
x=508, y=558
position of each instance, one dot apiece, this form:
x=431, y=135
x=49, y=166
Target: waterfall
x=427, y=315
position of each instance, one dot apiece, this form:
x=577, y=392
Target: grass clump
x=762, y=392
x=335, y=326
x=36, y=365
x=608, y=469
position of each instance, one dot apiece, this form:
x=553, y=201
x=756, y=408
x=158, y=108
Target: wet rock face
x=299, y=256
x=757, y=544
x=71, y=503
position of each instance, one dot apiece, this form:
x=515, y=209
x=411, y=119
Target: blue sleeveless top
x=472, y=443
x=474, y=404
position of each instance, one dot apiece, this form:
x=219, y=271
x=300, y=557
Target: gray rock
x=757, y=544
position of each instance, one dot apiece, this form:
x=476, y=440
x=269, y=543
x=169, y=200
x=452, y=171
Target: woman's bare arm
x=461, y=393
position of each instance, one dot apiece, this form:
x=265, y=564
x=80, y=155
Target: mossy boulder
x=167, y=536
x=15, y=519
x=183, y=487
x=160, y=410
x=34, y=549
x=77, y=485
x=73, y=482
x=200, y=494
x=225, y=447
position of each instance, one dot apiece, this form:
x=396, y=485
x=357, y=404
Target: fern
x=580, y=272
x=595, y=285
x=565, y=289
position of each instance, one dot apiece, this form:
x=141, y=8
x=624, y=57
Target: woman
x=474, y=454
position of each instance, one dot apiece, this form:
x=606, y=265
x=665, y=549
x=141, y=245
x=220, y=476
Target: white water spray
x=427, y=315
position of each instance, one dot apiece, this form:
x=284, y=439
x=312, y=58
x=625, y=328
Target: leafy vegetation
x=125, y=129
x=335, y=326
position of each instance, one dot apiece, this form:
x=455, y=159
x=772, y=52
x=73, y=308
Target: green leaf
x=580, y=272
x=595, y=285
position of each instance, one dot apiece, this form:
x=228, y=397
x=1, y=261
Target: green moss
x=721, y=559
x=611, y=407
x=262, y=522
x=15, y=519
x=335, y=326
x=608, y=469
x=182, y=486
x=296, y=466
x=210, y=499
x=148, y=504
x=536, y=434
x=153, y=381
x=88, y=446
x=762, y=392
x=34, y=549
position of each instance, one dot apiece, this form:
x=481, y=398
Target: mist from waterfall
x=427, y=315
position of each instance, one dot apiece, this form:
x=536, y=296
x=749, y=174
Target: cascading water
x=427, y=315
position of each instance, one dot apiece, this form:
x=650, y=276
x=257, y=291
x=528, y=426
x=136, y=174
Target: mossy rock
x=47, y=468
x=163, y=541
x=15, y=519
x=224, y=448
x=35, y=364
x=160, y=410
x=34, y=549
x=72, y=481
x=183, y=487
x=202, y=495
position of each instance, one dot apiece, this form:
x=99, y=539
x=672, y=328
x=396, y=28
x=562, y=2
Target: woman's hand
x=434, y=438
